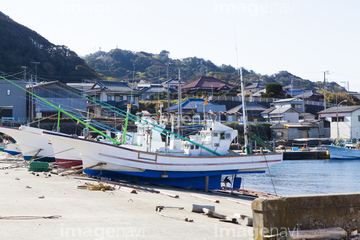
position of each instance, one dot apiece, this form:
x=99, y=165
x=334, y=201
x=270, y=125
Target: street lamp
x=337, y=118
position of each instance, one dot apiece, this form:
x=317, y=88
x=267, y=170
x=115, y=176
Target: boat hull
x=33, y=145
x=184, y=171
x=343, y=153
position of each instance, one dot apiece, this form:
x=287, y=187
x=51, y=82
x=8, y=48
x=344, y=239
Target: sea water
x=306, y=177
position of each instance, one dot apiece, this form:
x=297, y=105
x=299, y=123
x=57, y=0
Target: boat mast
x=246, y=142
x=179, y=104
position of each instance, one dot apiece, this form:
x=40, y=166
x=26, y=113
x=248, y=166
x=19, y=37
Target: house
x=143, y=84
x=293, y=91
x=13, y=101
x=57, y=93
x=116, y=94
x=253, y=88
x=293, y=130
x=309, y=95
x=281, y=113
x=324, y=127
x=82, y=87
x=195, y=107
x=190, y=105
x=253, y=113
x=307, y=116
x=296, y=103
x=207, y=84
x=174, y=83
x=155, y=91
x=345, y=121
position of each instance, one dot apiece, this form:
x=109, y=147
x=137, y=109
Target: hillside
x=21, y=46
x=134, y=66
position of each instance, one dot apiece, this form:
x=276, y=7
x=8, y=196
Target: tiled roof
x=191, y=104
x=250, y=106
x=208, y=82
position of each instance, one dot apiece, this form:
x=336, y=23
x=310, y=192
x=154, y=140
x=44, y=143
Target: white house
x=296, y=103
x=280, y=114
x=345, y=121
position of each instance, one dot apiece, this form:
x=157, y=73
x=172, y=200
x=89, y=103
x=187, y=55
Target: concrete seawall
x=275, y=215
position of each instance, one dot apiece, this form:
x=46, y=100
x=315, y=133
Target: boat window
x=222, y=135
x=227, y=135
x=192, y=146
x=215, y=134
x=196, y=147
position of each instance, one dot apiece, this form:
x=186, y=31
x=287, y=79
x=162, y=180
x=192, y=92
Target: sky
x=303, y=37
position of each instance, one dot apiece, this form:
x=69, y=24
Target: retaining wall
x=275, y=215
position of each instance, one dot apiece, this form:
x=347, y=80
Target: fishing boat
x=12, y=149
x=348, y=150
x=34, y=146
x=177, y=163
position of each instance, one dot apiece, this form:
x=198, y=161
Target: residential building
x=296, y=103
x=57, y=93
x=281, y=113
x=116, y=94
x=174, y=83
x=345, y=121
x=13, y=101
x=253, y=113
x=253, y=88
x=143, y=84
x=309, y=95
x=155, y=92
x=208, y=84
x=293, y=130
x=195, y=107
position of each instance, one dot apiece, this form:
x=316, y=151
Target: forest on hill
x=21, y=46
x=135, y=66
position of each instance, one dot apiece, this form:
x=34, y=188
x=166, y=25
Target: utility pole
x=36, y=64
x=168, y=86
x=326, y=72
x=29, y=109
x=179, y=103
x=32, y=97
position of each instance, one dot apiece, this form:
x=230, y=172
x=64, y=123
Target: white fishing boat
x=348, y=150
x=12, y=148
x=179, y=163
x=34, y=146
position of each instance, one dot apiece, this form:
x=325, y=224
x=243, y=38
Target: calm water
x=307, y=177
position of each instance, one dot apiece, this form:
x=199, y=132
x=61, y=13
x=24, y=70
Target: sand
x=83, y=214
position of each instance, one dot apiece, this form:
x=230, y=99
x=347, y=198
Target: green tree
x=274, y=90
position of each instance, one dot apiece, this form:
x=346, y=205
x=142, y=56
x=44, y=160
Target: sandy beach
x=53, y=207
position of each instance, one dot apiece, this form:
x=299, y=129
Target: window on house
x=8, y=92
x=110, y=98
x=334, y=119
